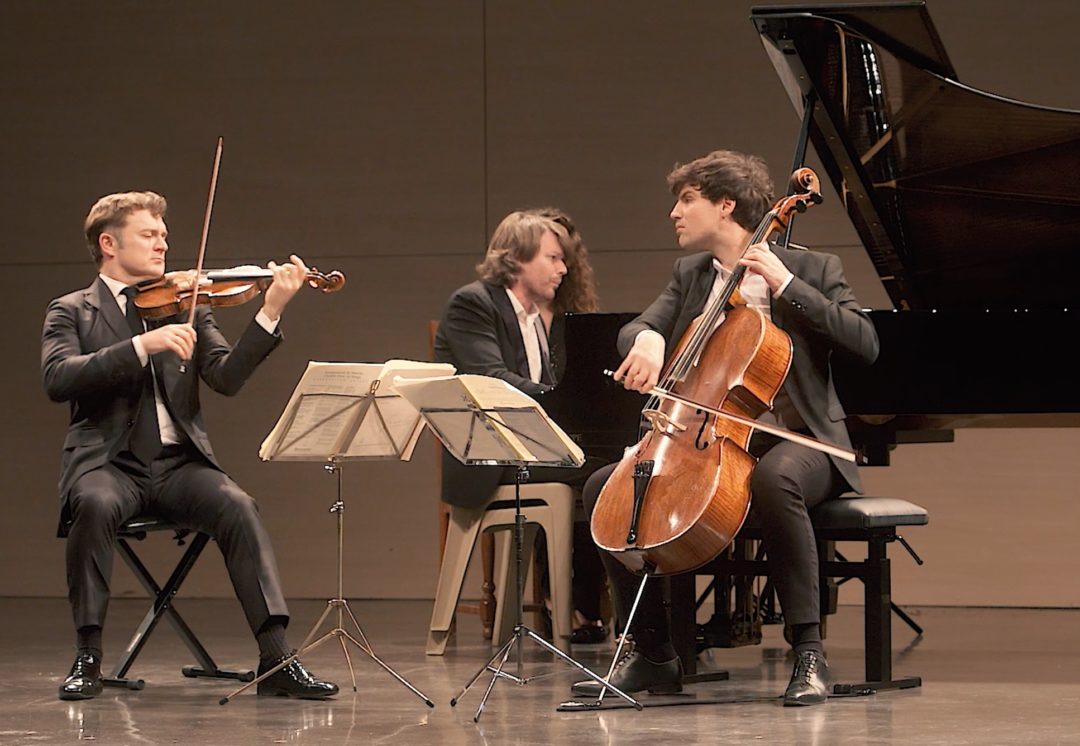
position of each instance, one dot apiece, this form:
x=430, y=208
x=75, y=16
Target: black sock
x=88, y=640
x=661, y=653
x=654, y=644
x=272, y=643
x=806, y=637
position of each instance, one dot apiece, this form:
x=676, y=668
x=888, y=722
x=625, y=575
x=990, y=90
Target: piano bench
x=873, y=520
x=137, y=529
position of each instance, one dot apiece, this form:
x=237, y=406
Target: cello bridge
x=661, y=422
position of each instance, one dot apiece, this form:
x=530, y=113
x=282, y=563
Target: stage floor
x=990, y=676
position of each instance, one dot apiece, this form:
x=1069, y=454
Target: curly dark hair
x=727, y=173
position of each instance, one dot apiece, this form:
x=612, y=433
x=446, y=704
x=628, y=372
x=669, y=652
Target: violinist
x=719, y=200
x=137, y=444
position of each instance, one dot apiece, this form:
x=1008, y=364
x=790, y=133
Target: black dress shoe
x=809, y=683
x=589, y=634
x=636, y=673
x=293, y=681
x=84, y=681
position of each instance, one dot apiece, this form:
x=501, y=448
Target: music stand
x=485, y=421
x=338, y=413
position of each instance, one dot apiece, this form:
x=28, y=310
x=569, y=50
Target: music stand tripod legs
x=522, y=632
x=342, y=607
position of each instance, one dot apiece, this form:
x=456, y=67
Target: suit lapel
x=699, y=291
x=99, y=297
x=510, y=325
x=547, y=371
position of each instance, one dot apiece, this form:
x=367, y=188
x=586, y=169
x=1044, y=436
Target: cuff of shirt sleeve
x=655, y=344
x=264, y=321
x=136, y=342
x=657, y=336
x=783, y=285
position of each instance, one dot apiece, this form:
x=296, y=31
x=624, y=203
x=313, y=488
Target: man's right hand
x=180, y=338
x=640, y=371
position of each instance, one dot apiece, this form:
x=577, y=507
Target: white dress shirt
x=532, y=334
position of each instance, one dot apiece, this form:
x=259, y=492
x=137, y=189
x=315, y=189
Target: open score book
x=486, y=420
x=349, y=411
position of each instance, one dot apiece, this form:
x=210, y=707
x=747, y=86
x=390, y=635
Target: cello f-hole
x=699, y=441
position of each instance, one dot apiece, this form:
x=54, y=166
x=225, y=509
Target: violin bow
x=202, y=239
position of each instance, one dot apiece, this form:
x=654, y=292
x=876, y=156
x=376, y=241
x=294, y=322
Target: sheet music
x=345, y=410
x=514, y=427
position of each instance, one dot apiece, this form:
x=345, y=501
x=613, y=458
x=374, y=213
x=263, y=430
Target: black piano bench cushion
x=867, y=512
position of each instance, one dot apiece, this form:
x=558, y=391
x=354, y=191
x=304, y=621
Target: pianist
x=507, y=325
x=719, y=200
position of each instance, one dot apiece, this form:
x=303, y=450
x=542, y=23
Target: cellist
x=719, y=200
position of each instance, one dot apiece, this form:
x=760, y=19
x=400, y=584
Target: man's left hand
x=288, y=278
x=758, y=258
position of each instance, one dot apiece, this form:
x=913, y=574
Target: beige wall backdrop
x=386, y=139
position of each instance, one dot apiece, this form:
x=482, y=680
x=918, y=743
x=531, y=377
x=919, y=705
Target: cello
x=679, y=496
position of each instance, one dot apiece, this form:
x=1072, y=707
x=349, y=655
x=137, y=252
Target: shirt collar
x=519, y=310
x=722, y=272
x=116, y=287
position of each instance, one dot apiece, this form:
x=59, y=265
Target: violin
x=678, y=497
x=176, y=292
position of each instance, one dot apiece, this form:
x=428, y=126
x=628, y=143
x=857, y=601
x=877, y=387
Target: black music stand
x=484, y=421
x=339, y=413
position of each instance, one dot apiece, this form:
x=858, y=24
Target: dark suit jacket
x=88, y=360
x=819, y=312
x=479, y=334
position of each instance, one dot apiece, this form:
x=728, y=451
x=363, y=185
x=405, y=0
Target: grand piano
x=966, y=204
x=969, y=208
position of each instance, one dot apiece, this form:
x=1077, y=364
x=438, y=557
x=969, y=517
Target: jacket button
x=131, y=423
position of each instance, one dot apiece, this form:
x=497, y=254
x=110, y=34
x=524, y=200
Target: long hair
x=516, y=240
x=577, y=292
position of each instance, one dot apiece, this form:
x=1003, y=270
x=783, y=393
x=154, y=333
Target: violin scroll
x=330, y=282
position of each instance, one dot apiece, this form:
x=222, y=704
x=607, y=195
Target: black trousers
x=787, y=481
x=182, y=487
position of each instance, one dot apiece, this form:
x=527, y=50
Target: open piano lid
x=956, y=193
